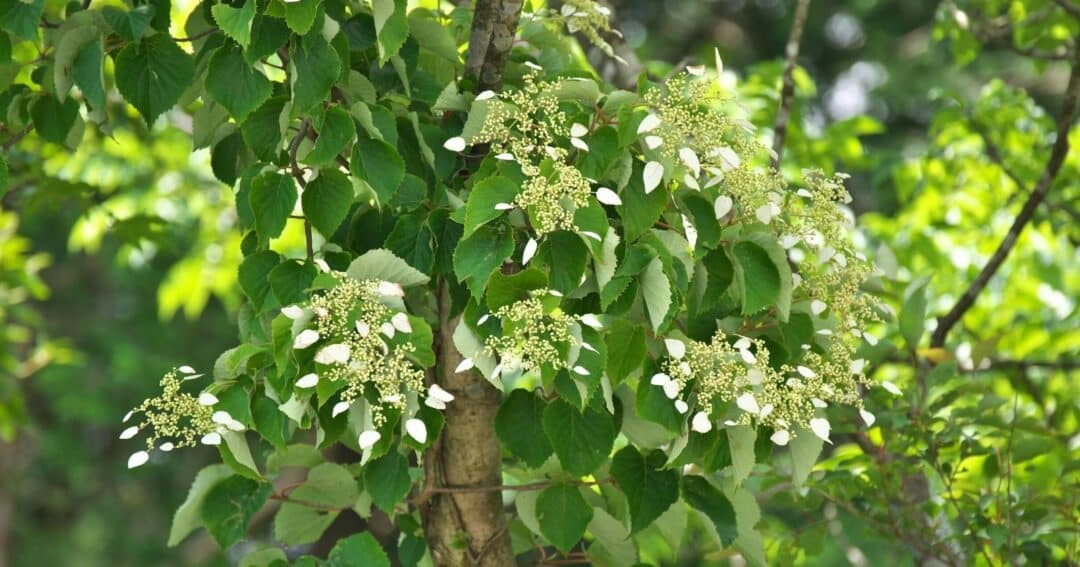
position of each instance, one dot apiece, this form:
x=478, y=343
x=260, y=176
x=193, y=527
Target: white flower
x=581, y=371
x=579, y=144
x=221, y=417
x=691, y=232
x=754, y=377
x=870, y=339
x=436, y=391
x=891, y=388
x=400, y=321
x=322, y=265
x=742, y=344
x=691, y=160
x=483, y=319
x=719, y=62
x=578, y=130
x=306, y=338
x=368, y=438
x=817, y=307
x=138, y=459
x=455, y=144
x=363, y=328
x=767, y=212
x=529, y=251
x=337, y=353
x=588, y=234
x=857, y=365
x=388, y=330
x=485, y=95
x=659, y=379
x=505, y=157
x=728, y=158
x=695, y=70
x=781, y=437
x=211, y=439
x=390, y=289
x=748, y=404
x=417, y=430
x=787, y=241
x=308, y=380
x=292, y=312
x=567, y=10
x=722, y=206
x=129, y=432
x=167, y=446
x=820, y=427
x=435, y=404
x=747, y=356
x=589, y=347
x=532, y=65
x=867, y=417
x=691, y=182
x=675, y=347
x=607, y=196
x=765, y=411
x=592, y=321
x=207, y=399
x=650, y=123
x=464, y=366
x=652, y=175
x=701, y=422
x=819, y=403
x=339, y=408
x=127, y=416
x=186, y=369
x=653, y=142
x=504, y=206
x=681, y=407
x=805, y=372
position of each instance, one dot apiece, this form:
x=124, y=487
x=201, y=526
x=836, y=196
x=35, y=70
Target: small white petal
x=690, y=181
x=568, y=10
x=748, y=404
x=781, y=437
x=819, y=403
x=400, y=321
x=681, y=407
x=417, y=430
x=871, y=339
x=653, y=142
x=390, y=289
x=388, y=330
x=485, y=95
x=589, y=347
x=186, y=369
x=322, y=265
x=207, y=399
x=455, y=144
x=555, y=292
x=505, y=157
x=747, y=356
x=129, y=432
x=435, y=404
x=221, y=417
x=607, y=196
x=690, y=158
x=867, y=417
x=701, y=422
x=337, y=353
x=363, y=328
x=308, y=380
x=754, y=377
x=742, y=344
x=728, y=158
x=671, y=390
x=464, y=366
x=127, y=416
x=306, y=338
x=579, y=144
x=436, y=391
x=820, y=427
x=368, y=438
x=292, y=312
x=592, y=235
x=592, y=321
x=497, y=371
x=695, y=70
x=581, y=371
x=787, y=241
x=211, y=439
x=722, y=206
x=660, y=379
x=805, y=372
x=532, y=65
x=652, y=175
x=529, y=251
x=817, y=307
x=765, y=411
x=765, y=213
x=483, y=319
x=235, y=425
x=650, y=123
x=138, y=459
x=891, y=388
x=503, y=206
x=857, y=365
x=675, y=347
x=719, y=62
x=339, y=408
x=578, y=130
x=167, y=446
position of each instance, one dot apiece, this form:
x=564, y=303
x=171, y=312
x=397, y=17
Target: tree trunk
x=465, y=529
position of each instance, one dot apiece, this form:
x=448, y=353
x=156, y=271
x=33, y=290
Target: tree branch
x=297, y=174
x=1053, y=166
x=787, y=91
x=1069, y=7
x=493, y=29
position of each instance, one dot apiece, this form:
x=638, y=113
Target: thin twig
x=1053, y=166
x=1069, y=7
x=17, y=137
x=297, y=174
x=787, y=91
x=197, y=36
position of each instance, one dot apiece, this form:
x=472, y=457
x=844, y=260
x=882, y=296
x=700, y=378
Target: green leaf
x=480, y=254
x=505, y=289
x=719, y=273
x=326, y=201
x=265, y=557
x=640, y=211
x=152, y=74
x=566, y=256
x=380, y=164
x=913, y=313
x=625, y=349
x=89, y=74
x=235, y=84
x=289, y=280
x=805, y=448
x=78, y=32
x=262, y=130
x=741, y=440
x=519, y=425
x=335, y=134
x=130, y=25
x=273, y=196
x=328, y=487
x=53, y=119
x=387, y=480
x=582, y=440
x=391, y=26
x=656, y=289
x=313, y=68
x=3, y=176
x=412, y=240
x=21, y=18
x=762, y=275
x=491, y=191
x=384, y=265
x=229, y=506
x=235, y=22
x=652, y=405
x=358, y=550
x=254, y=278
x=613, y=546
x=188, y=516
x=649, y=488
x=563, y=515
x=268, y=34
x=703, y=496
x=300, y=16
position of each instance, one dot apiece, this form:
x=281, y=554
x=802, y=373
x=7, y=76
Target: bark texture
x=493, y=29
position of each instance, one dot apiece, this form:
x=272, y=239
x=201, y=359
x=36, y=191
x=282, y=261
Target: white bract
x=820, y=427
x=138, y=459
x=368, y=438
x=675, y=348
x=529, y=252
x=337, y=353
x=417, y=430
x=722, y=206
x=652, y=175
x=400, y=321
x=306, y=338
x=607, y=196
x=308, y=380
x=781, y=437
x=648, y=124
x=701, y=422
x=207, y=399
x=455, y=144
x=748, y=404
x=292, y=312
